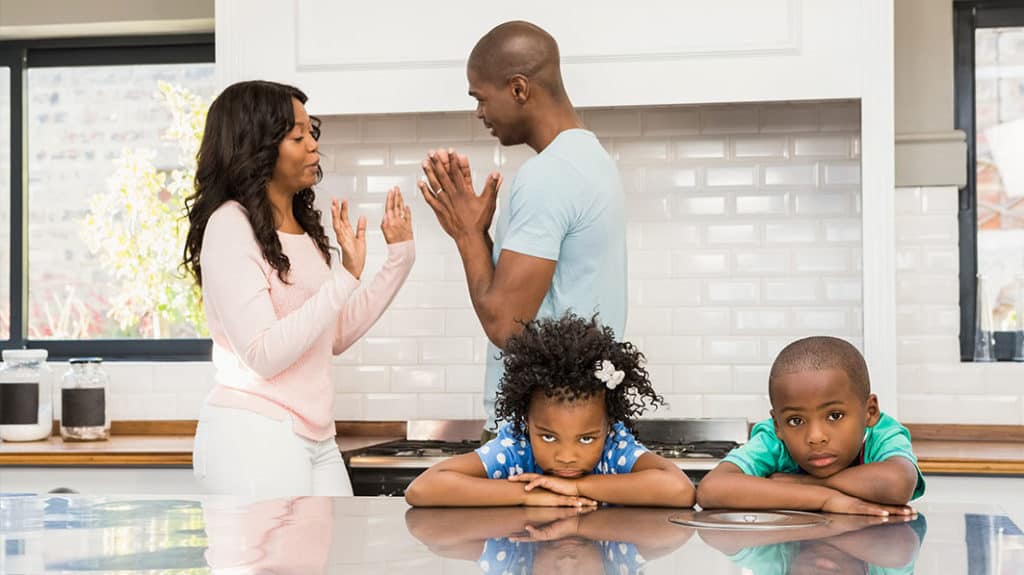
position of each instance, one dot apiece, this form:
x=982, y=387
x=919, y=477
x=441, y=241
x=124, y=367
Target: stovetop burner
x=696, y=449
x=407, y=448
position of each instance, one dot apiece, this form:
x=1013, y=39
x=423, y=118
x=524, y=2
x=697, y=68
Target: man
x=560, y=243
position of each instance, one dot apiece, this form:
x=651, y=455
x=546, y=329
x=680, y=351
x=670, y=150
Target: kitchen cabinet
x=387, y=57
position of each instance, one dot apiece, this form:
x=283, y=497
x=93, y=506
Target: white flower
x=639, y=452
x=508, y=442
x=501, y=458
x=484, y=449
x=500, y=556
x=622, y=445
x=609, y=375
x=497, y=474
x=622, y=460
x=485, y=566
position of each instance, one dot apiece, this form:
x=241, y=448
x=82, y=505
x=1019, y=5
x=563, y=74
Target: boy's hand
x=549, y=482
x=842, y=503
x=545, y=498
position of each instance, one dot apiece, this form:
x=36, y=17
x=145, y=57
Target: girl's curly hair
x=559, y=356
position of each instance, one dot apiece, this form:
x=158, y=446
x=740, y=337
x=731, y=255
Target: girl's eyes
x=794, y=421
x=547, y=438
x=835, y=416
x=587, y=440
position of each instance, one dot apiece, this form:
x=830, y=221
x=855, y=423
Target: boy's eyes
x=835, y=416
x=794, y=421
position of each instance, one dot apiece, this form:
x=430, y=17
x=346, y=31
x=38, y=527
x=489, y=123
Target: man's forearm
x=475, y=251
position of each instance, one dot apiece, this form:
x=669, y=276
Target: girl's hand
x=545, y=498
x=554, y=484
x=397, y=222
x=352, y=242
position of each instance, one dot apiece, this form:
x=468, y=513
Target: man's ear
x=775, y=422
x=519, y=86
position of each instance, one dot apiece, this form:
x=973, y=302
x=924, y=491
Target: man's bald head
x=518, y=48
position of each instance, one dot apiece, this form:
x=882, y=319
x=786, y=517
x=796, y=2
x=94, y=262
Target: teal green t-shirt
x=765, y=454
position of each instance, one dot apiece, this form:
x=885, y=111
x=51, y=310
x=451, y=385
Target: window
x=111, y=127
x=990, y=109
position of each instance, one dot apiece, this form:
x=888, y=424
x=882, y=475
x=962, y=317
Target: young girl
x=570, y=394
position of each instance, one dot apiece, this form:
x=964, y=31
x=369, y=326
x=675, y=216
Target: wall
x=744, y=233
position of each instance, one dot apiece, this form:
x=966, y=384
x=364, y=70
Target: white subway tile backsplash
x=822, y=260
x=760, y=320
x=417, y=322
x=821, y=146
x=731, y=349
x=389, y=350
x=702, y=206
x=417, y=379
x=845, y=231
x=822, y=203
x=934, y=230
x=445, y=406
x=613, y=122
x=736, y=176
x=729, y=120
x=391, y=406
x=679, y=406
x=791, y=291
x=700, y=149
x=641, y=151
x=446, y=350
x=761, y=262
x=701, y=320
x=674, y=292
x=752, y=407
x=732, y=291
x=928, y=289
x=762, y=204
x=702, y=379
x=788, y=118
x=667, y=236
x=730, y=255
x=662, y=349
x=991, y=409
x=674, y=121
x=939, y=201
x=742, y=234
x=649, y=321
x=750, y=378
x=791, y=232
x=840, y=117
x=360, y=378
x=760, y=147
x=821, y=321
x=842, y=174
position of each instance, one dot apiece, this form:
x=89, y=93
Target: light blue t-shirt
x=566, y=204
x=510, y=454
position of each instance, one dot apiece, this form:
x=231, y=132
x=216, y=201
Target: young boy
x=826, y=447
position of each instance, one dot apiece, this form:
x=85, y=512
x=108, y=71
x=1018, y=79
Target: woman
x=275, y=306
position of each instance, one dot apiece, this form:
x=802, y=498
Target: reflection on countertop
x=225, y=535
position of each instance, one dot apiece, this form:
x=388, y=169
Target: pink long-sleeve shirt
x=272, y=341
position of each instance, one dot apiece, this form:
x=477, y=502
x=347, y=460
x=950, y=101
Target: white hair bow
x=609, y=375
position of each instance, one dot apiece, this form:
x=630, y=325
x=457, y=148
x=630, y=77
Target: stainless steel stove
x=694, y=445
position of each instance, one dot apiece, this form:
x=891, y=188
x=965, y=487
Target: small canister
x=84, y=412
x=26, y=395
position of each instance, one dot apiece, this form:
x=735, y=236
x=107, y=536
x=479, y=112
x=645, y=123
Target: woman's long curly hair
x=244, y=127
x=559, y=357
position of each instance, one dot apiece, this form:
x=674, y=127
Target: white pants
x=239, y=452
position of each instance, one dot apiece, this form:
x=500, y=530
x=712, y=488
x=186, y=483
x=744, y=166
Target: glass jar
x=26, y=395
x=84, y=415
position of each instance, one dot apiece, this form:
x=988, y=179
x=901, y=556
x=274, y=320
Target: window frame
x=20, y=56
x=969, y=16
